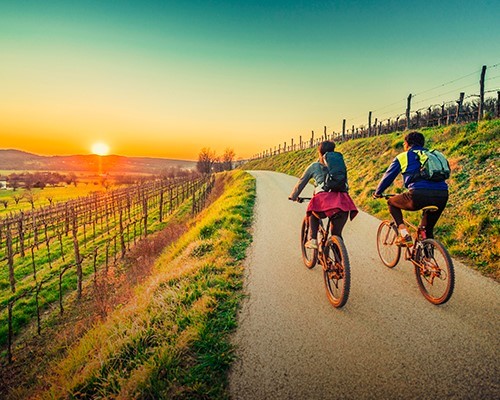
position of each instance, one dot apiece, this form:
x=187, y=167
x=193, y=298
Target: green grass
x=470, y=225
x=172, y=341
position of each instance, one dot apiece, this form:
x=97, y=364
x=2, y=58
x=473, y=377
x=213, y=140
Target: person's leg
x=338, y=222
x=397, y=203
x=314, y=225
x=429, y=219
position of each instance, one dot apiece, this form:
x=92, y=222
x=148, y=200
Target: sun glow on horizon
x=101, y=149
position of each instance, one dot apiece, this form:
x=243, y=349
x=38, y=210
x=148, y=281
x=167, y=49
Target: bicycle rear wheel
x=387, y=249
x=309, y=256
x=435, y=272
x=337, y=272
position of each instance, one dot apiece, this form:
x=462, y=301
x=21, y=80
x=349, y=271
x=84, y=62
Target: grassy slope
x=172, y=340
x=470, y=225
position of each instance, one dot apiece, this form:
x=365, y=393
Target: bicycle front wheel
x=309, y=256
x=337, y=272
x=435, y=272
x=387, y=249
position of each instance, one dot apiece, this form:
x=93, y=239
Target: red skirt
x=331, y=203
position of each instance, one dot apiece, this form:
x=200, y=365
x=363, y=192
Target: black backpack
x=336, y=178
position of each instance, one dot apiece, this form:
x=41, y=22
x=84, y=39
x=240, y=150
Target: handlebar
x=383, y=195
x=301, y=199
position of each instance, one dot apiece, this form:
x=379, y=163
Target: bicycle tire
x=309, y=256
x=337, y=274
x=388, y=251
x=435, y=272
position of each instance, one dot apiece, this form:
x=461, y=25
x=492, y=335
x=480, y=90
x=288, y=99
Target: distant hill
x=20, y=160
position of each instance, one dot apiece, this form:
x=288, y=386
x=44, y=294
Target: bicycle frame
x=324, y=238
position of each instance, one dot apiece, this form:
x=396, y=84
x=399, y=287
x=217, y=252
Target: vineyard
x=51, y=252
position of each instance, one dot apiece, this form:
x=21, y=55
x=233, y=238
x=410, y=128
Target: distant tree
x=54, y=178
x=14, y=181
x=27, y=181
x=217, y=167
x=206, y=160
x=4, y=202
x=71, y=179
x=39, y=180
x=227, y=159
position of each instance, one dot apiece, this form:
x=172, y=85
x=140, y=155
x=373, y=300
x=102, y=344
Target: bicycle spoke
x=435, y=273
x=388, y=252
x=337, y=273
x=309, y=256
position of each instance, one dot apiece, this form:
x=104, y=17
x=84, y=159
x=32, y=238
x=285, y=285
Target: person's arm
x=301, y=184
x=390, y=174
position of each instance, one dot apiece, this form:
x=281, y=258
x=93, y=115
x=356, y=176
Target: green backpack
x=434, y=165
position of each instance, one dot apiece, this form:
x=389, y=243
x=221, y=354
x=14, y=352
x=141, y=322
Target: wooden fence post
x=480, y=111
x=343, y=130
x=10, y=256
x=21, y=234
x=408, y=112
x=459, y=106
x=370, y=123
x=78, y=258
x=498, y=104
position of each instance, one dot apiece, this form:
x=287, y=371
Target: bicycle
x=332, y=255
x=433, y=266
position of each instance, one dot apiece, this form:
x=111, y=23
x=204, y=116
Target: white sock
x=403, y=232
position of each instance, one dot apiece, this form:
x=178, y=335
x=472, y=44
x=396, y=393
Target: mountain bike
x=433, y=266
x=332, y=255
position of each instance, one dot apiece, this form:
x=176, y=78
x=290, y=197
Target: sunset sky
x=167, y=78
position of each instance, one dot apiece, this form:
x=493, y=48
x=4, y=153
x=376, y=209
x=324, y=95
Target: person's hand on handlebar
x=299, y=199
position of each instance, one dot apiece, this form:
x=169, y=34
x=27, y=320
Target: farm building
x=3, y=184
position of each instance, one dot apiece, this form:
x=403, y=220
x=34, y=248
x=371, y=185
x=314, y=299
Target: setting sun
x=101, y=149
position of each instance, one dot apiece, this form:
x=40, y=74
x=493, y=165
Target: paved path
x=388, y=342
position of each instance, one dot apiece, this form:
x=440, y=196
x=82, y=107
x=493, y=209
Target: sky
x=168, y=78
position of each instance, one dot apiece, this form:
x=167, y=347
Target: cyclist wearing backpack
x=424, y=188
x=332, y=202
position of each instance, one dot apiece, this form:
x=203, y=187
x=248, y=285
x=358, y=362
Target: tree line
x=209, y=161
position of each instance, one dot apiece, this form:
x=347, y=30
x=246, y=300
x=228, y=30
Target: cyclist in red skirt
x=335, y=205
